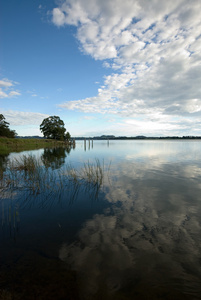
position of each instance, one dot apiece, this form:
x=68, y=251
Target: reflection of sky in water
x=152, y=231
x=144, y=230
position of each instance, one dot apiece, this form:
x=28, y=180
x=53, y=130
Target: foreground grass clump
x=8, y=145
x=30, y=173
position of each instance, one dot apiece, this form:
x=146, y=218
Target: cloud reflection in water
x=150, y=237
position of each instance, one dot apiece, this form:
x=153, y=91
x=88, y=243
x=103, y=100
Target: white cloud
x=58, y=17
x=154, y=45
x=5, y=83
x=3, y=94
x=11, y=94
x=6, y=89
x=19, y=118
x=33, y=93
x=14, y=93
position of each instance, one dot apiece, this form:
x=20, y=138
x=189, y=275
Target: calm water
x=139, y=237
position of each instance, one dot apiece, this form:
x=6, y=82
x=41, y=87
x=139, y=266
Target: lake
x=136, y=235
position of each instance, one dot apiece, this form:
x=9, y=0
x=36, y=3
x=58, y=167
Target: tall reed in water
x=29, y=172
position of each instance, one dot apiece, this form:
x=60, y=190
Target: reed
x=93, y=173
x=30, y=173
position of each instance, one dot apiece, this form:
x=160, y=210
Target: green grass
x=8, y=145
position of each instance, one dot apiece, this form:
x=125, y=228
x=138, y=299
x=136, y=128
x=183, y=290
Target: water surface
x=139, y=237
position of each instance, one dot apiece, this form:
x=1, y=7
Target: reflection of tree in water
x=9, y=212
x=55, y=157
x=3, y=164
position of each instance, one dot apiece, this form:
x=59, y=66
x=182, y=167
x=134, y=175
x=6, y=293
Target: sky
x=120, y=67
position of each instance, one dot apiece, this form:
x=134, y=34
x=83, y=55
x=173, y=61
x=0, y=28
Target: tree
x=53, y=128
x=67, y=136
x=4, y=128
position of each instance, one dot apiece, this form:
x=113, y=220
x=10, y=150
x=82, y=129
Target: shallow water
x=138, y=237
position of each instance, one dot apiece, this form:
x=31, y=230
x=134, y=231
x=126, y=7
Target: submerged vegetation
x=29, y=173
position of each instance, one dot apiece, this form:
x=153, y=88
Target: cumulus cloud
x=5, y=83
x=7, y=89
x=152, y=48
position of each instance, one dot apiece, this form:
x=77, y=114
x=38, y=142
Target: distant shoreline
x=112, y=137
x=140, y=138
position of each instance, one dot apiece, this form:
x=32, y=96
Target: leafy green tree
x=53, y=128
x=4, y=128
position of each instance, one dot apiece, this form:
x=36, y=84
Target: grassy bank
x=8, y=145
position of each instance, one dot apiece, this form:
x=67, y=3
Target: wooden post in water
x=74, y=144
x=92, y=143
x=84, y=144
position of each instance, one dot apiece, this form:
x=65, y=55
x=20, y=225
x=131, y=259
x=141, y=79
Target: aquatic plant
x=31, y=173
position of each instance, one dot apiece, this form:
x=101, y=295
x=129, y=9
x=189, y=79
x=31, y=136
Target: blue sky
x=117, y=67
